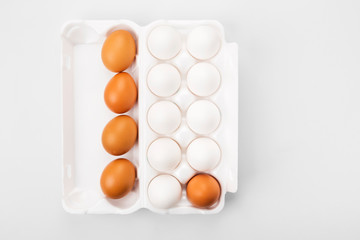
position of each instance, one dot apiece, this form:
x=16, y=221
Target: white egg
x=203, y=42
x=164, y=42
x=164, y=117
x=164, y=80
x=203, y=154
x=164, y=154
x=203, y=117
x=164, y=191
x=203, y=79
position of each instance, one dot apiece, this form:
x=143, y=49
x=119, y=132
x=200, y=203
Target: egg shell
x=164, y=191
x=203, y=79
x=203, y=190
x=164, y=80
x=164, y=154
x=203, y=117
x=203, y=154
x=203, y=42
x=164, y=42
x=164, y=117
x=118, y=51
x=119, y=135
x=118, y=178
x=120, y=93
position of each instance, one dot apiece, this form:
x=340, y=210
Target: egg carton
x=85, y=115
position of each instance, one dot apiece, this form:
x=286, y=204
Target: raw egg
x=164, y=191
x=119, y=135
x=164, y=117
x=203, y=190
x=118, y=51
x=118, y=178
x=164, y=42
x=203, y=154
x=203, y=42
x=203, y=79
x=120, y=93
x=164, y=154
x=203, y=117
x=164, y=80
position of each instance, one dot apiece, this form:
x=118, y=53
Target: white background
x=299, y=128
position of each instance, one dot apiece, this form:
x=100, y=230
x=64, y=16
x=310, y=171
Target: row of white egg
x=203, y=117
x=203, y=79
x=203, y=154
x=165, y=42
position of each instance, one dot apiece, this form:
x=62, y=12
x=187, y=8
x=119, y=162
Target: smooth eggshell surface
x=164, y=117
x=164, y=80
x=119, y=135
x=164, y=42
x=203, y=154
x=164, y=191
x=203, y=117
x=203, y=42
x=118, y=178
x=120, y=93
x=118, y=51
x=164, y=154
x=203, y=190
x=203, y=79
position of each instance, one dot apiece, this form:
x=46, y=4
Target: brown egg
x=120, y=93
x=118, y=51
x=203, y=190
x=119, y=135
x=118, y=178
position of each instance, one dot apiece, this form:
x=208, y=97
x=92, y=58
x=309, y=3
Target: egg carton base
x=85, y=114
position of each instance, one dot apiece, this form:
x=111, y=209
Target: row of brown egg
x=120, y=95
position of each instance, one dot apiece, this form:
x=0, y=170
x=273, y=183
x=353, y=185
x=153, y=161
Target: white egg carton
x=85, y=115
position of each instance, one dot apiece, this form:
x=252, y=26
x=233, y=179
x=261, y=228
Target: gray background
x=299, y=128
